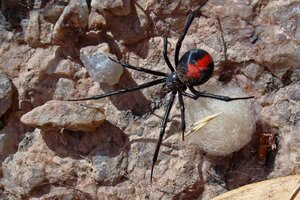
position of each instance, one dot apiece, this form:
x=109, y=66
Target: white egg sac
x=228, y=132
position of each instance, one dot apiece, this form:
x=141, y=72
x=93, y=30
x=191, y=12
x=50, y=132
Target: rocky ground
x=56, y=149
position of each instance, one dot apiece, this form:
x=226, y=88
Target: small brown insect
x=266, y=144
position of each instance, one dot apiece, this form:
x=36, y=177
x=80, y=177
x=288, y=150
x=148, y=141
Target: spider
x=194, y=68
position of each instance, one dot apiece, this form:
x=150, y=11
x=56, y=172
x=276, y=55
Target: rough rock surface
x=261, y=54
x=47, y=159
x=129, y=23
x=64, y=115
x=118, y=8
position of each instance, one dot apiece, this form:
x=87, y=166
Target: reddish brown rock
x=53, y=10
x=118, y=7
x=64, y=115
x=96, y=21
x=38, y=31
x=71, y=23
x=33, y=30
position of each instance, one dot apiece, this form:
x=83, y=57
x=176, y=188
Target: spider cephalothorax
x=194, y=68
x=173, y=83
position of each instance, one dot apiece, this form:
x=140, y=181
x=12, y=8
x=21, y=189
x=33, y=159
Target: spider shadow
x=104, y=151
x=107, y=140
x=134, y=101
x=154, y=141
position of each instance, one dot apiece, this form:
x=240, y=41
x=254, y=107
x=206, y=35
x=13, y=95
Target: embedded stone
x=71, y=23
x=118, y=7
x=96, y=21
x=32, y=34
x=5, y=93
x=72, y=116
x=52, y=11
x=99, y=66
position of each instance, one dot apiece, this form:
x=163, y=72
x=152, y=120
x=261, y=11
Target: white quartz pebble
x=99, y=66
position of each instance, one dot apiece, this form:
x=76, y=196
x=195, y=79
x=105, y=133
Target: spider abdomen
x=195, y=67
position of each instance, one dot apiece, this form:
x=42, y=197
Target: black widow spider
x=194, y=68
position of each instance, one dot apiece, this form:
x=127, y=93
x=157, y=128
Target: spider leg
x=149, y=71
x=181, y=103
x=165, y=52
x=196, y=94
x=188, y=23
x=162, y=131
x=145, y=85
